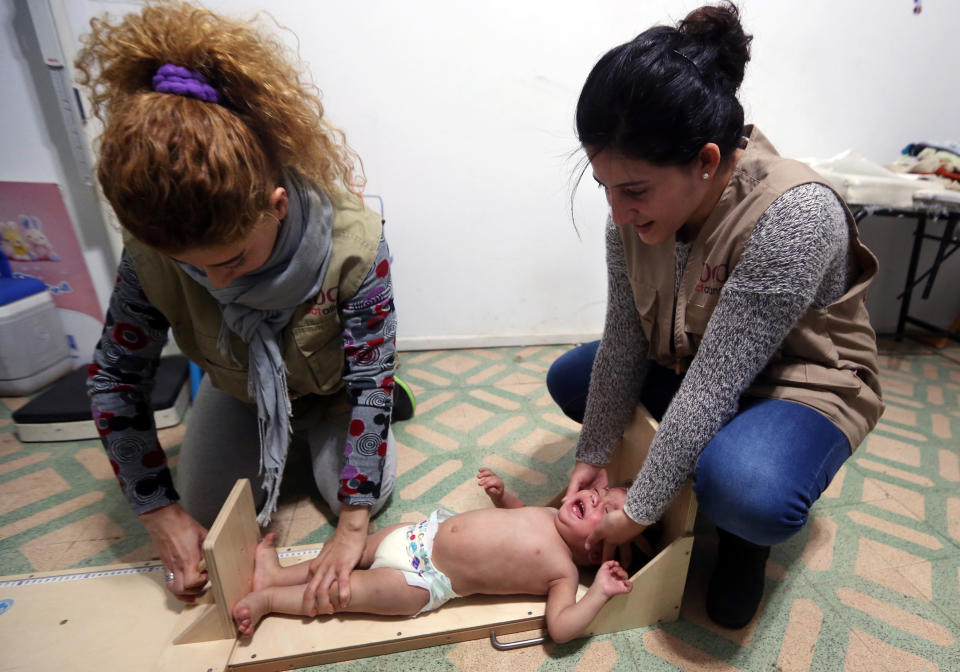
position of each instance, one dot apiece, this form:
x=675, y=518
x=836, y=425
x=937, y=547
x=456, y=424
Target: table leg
x=918, y=234
x=946, y=239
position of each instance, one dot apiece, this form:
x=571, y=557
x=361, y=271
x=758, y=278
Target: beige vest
x=311, y=342
x=828, y=361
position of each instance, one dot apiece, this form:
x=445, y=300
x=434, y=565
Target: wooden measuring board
x=228, y=551
x=118, y=617
x=284, y=642
x=122, y=618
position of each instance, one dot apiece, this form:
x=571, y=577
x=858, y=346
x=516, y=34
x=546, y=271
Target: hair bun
x=717, y=34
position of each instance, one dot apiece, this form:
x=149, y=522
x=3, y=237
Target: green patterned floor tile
x=850, y=487
x=13, y=562
x=951, y=352
x=945, y=582
x=614, y=652
x=942, y=513
x=652, y=659
x=861, y=540
x=893, y=624
x=882, y=543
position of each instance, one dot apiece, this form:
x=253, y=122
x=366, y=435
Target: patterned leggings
x=222, y=444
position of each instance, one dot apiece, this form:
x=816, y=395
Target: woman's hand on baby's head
x=586, y=476
x=612, y=579
x=614, y=529
x=491, y=483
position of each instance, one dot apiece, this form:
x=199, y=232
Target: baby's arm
x=567, y=618
x=499, y=495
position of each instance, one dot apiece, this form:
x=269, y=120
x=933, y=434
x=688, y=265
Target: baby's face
x=580, y=513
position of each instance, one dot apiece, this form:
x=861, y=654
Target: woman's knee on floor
x=745, y=499
x=326, y=447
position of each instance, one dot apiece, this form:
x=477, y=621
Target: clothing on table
x=918, y=148
x=930, y=160
x=410, y=550
x=798, y=261
x=344, y=337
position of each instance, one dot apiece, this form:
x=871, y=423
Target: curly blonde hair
x=182, y=173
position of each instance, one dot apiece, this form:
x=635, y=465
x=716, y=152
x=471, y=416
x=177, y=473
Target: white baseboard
x=414, y=343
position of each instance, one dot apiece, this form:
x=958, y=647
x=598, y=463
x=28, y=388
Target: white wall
x=463, y=114
x=29, y=155
x=35, y=146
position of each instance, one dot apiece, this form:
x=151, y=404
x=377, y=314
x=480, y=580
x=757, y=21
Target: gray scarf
x=258, y=305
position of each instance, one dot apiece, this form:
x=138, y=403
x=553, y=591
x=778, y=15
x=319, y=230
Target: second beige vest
x=828, y=361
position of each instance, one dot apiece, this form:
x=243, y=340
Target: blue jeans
x=759, y=475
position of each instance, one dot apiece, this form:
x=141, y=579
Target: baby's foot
x=266, y=565
x=248, y=612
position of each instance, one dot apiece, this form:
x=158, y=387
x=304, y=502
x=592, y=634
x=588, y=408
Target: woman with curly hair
x=734, y=312
x=243, y=233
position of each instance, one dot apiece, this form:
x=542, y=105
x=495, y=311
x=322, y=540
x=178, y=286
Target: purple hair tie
x=172, y=78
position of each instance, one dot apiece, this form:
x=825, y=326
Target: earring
x=706, y=176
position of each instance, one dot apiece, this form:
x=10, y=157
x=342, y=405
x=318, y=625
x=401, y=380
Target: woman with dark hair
x=735, y=306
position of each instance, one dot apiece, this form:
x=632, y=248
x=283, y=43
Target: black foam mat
x=67, y=401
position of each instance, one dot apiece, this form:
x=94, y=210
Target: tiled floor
x=872, y=584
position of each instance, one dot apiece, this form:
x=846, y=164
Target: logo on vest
x=712, y=274
x=326, y=301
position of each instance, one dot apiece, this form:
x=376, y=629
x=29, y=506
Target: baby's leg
x=382, y=591
x=373, y=542
x=267, y=571
x=280, y=599
x=280, y=589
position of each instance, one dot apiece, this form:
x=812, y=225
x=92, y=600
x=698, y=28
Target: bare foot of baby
x=266, y=565
x=248, y=612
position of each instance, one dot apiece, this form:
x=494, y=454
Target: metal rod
x=929, y=236
x=506, y=646
x=920, y=278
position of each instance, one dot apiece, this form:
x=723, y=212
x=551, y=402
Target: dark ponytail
x=669, y=91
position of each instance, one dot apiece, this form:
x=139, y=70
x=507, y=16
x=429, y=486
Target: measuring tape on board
x=98, y=574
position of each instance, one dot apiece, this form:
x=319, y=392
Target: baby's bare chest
x=499, y=554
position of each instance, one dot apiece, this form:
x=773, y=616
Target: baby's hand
x=491, y=483
x=612, y=579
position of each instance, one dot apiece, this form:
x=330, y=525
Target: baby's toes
x=241, y=613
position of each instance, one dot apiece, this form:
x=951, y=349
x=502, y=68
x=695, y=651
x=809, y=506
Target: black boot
x=404, y=403
x=737, y=583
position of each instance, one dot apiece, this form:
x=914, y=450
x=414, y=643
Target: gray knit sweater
x=798, y=257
